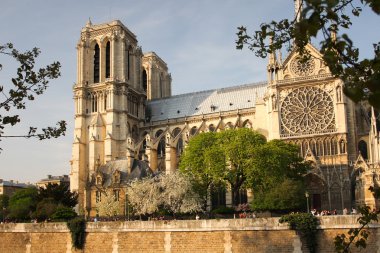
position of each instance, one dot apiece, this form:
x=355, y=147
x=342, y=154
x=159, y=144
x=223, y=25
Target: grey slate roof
x=139, y=170
x=209, y=101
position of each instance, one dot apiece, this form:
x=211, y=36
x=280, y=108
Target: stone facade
x=127, y=123
x=235, y=235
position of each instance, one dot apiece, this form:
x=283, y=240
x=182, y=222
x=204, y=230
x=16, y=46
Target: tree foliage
x=108, y=205
x=178, y=195
x=22, y=204
x=59, y=193
x=306, y=224
x=4, y=202
x=328, y=20
x=40, y=204
x=197, y=162
x=239, y=158
x=222, y=157
x=77, y=227
x=356, y=236
x=275, y=161
x=287, y=195
x=28, y=83
x=144, y=196
x=173, y=193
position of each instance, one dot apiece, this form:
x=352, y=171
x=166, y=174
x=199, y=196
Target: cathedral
x=129, y=125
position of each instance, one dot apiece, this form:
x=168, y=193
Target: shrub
x=77, y=227
x=305, y=224
x=64, y=213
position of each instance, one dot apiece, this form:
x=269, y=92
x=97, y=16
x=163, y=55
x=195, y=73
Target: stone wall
x=235, y=235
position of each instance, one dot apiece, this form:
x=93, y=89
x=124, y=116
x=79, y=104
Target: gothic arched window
x=161, y=144
x=145, y=80
x=193, y=130
x=362, y=147
x=161, y=86
x=96, y=63
x=108, y=59
x=128, y=63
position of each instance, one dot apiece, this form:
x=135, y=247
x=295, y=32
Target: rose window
x=307, y=110
x=302, y=68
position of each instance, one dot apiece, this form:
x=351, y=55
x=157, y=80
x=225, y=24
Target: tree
x=239, y=158
x=221, y=157
x=108, y=205
x=23, y=203
x=28, y=83
x=58, y=193
x=178, y=195
x=4, y=202
x=327, y=20
x=144, y=196
x=173, y=193
x=238, y=148
x=40, y=203
x=287, y=195
x=274, y=162
x=197, y=162
x=45, y=209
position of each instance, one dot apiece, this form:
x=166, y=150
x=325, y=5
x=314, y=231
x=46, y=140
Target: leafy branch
x=324, y=18
x=356, y=236
x=28, y=83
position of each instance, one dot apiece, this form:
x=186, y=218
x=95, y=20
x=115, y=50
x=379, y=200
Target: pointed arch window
x=145, y=80
x=108, y=59
x=96, y=63
x=94, y=101
x=161, y=86
x=105, y=102
x=128, y=63
x=362, y=147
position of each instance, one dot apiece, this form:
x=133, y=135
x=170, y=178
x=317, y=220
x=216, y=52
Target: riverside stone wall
x=235, y=235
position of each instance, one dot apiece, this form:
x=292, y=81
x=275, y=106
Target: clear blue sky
x=195, y=38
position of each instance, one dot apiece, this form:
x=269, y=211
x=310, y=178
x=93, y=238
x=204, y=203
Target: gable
x=292, y=67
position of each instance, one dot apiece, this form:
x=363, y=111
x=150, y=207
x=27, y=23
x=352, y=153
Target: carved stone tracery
x=307, y=110
x=302, y=68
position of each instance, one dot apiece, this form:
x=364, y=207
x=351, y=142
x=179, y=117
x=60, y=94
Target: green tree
x=197, y=162
x=273, y=162
x=28, y=83
x=328, y=21
x=63, y=213
x=22, y=204
x=4, y=202
x=238, y=150
x=45, y=209
x=223, y=157
x=59, y=194
x=239, y=158
x=287, y=195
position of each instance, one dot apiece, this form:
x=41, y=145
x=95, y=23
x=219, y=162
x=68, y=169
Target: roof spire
x=298, y=9
x=89, y=23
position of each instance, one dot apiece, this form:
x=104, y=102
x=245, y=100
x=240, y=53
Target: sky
x=195, y=38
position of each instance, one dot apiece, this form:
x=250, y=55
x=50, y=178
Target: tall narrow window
x=96, y=63
x=108, y=59
x=128, y=63
x=161, y=87
x=105, y=102
x=145, y=80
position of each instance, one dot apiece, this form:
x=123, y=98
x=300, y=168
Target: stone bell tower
x=110, y=96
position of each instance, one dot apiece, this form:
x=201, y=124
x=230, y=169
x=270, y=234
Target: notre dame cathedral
x=128, y=124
